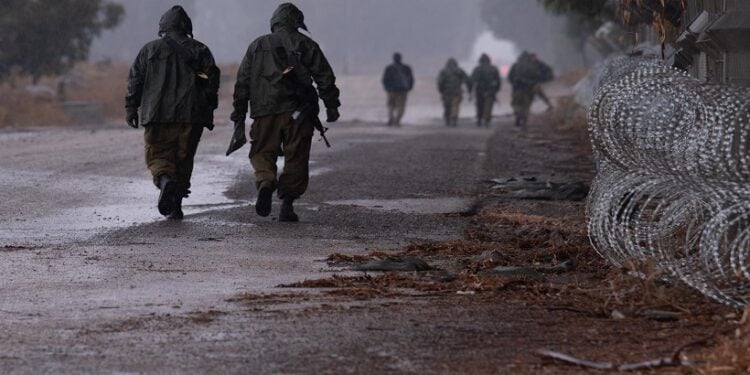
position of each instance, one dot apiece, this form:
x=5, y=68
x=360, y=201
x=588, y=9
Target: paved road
x=94, y=281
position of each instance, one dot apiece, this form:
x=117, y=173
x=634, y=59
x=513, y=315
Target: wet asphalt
x=94, y=281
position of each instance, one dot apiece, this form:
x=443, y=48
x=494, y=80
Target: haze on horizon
x=359, y=36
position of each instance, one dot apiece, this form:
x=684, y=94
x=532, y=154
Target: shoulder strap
x=183, y=53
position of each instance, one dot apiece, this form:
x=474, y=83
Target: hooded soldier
x=485, y=84
x=276, y=79
x=398, y=80
x=174, y=82
x=450, y=85
x=526, y=76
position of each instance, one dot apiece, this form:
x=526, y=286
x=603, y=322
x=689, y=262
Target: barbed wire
x=673, y=182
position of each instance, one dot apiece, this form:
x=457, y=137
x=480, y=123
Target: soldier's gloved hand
x=333, y=114
x=132, y=117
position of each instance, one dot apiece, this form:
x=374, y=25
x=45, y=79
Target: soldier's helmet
x=176, y=19
x=484, y=59
x=288, y=14
x=451, y=63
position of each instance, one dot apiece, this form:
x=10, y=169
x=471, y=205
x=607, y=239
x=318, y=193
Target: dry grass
x=732, y=355
x=569, y=115
x=104, y=84
x=18, y=108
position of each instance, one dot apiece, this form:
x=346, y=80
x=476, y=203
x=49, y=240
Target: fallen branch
x=671, y=361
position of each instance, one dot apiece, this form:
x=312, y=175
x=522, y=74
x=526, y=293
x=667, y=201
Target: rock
x=617, y=315
x=394, y=264
x=40, y=91
x=576, y=192
x=563, y=267
x=489, y=256
x=515, y=272
x=662, y=316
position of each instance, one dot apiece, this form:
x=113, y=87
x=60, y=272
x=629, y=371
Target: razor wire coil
x=673, y=181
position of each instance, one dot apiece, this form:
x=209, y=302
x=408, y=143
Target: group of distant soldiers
x=173, y=90
x=526, y=77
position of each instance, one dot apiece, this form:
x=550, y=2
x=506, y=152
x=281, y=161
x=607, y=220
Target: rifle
x=309, y=107
x=299, y=116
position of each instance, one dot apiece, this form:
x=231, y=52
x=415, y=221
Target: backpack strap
x=185, y=55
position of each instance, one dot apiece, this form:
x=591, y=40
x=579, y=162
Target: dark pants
x=485, y=104
x=396, y=106
x=170, y=150
x=268, y=136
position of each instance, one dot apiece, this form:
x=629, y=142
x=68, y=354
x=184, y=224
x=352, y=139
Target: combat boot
x=167, y=196
x=265, y=199
x=177, y=214
x=287, y=211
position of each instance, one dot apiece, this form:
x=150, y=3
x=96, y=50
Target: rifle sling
x=185, y=55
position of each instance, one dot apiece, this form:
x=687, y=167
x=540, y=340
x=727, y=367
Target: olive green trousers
x=522, y=100
x=396, y=106
x=451, y=107
x=170, y=150
x=269, y=137
x=485, y=104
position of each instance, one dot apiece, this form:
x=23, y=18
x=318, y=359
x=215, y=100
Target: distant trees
x=47, y=37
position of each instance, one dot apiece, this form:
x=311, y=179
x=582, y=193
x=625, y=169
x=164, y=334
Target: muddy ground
x=93, y=281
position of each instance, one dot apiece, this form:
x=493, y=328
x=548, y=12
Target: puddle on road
x=119, y=202
x=426, y=206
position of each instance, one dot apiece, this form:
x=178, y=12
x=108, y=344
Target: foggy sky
x=358, y=36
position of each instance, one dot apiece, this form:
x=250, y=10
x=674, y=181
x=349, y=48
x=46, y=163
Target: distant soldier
x=485, y=84
x=175, y=83
x=526, y=77
x=276, y=79
x=397, y=82
x=450, y=82
x=547, y=74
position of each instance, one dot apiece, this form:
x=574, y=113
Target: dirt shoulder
x=523, y=278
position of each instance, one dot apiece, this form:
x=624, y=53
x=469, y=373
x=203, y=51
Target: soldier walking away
x=450, y=85
x=175, y=83
x=397, y=82
x=526, y=76
x=485, y=84
x=276, y=79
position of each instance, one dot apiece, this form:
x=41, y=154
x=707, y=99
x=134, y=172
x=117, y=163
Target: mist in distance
x=358, y=36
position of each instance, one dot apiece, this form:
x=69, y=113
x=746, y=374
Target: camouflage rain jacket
x=485, y=79
x=261, y=81
x=526, y=73
x=164, y=85
x=451, y=78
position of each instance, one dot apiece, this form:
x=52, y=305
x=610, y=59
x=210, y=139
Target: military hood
x=451, y=64
x=177, y=20
x=288, y=15
x=484, y=59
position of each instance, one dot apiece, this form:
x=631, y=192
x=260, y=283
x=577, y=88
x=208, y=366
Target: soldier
x=175, y=83
x=397, y=81
x=485, y=84
x=546, y=74
x=276, y=78
x=450, y=82
x=526, y=76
